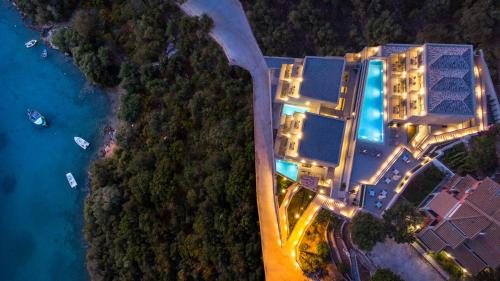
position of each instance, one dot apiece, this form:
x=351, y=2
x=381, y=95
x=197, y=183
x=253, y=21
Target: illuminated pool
x=287, y=169
x=371, y=123
x=289, y=109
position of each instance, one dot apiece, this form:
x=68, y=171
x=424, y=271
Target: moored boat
x=71, y=180
x=81, y=142
x=30, y=43
x=36, y=118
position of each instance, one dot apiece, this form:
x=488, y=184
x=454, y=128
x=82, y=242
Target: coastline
x=108, y=143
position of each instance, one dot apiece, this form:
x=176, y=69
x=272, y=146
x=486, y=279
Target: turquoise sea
x=41, y=218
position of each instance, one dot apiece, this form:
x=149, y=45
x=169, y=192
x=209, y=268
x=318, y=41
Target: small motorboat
x=30, y=43
x=36, y=118
x=44, y=53
x=71, y=180
x=81, y=142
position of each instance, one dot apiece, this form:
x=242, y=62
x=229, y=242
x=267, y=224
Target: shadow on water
x=8, y=184
x=3, y=140
x=16, y=251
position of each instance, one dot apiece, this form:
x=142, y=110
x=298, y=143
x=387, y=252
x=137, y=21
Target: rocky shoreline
x=109, y=130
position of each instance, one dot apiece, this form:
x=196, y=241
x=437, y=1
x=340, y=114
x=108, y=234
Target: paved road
x=232, y=32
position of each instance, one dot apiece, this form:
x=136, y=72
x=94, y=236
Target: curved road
x=233, y=33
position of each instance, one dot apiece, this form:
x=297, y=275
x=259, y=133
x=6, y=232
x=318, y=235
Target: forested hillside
x=334, y=27
x=177, y=201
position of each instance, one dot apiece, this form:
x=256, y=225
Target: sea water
x=41, y=217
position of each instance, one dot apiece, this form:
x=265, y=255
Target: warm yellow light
x=308, y=103
x=296, y=216
x=302, y=161
x=314, y=163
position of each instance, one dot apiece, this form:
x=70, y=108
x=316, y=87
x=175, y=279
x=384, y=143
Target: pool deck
x=400, y=165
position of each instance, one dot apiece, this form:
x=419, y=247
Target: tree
x=86, y=24
x=385, y=274
x=482, y=155
x=402, y=221
x=367, y=231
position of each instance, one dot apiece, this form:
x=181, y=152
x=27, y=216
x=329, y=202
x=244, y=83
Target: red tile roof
x=442, y=203
x=467, y=259
x=431, y=240
x=449, y=233
x=468, y=220
x=471, y=227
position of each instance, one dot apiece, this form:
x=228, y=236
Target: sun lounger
x=371, y=192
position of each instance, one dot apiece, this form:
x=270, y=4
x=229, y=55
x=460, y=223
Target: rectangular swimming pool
x=371, y=123
x=289, y=109
x=287, y=169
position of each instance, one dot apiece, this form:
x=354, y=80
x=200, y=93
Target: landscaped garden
x=298, y=205
x=282, y=184
x=455, y=157
x=478, y=158
x=448, y=264
x=314, y=252
x=422, y=184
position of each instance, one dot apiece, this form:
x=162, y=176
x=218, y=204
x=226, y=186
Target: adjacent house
x=466, y=223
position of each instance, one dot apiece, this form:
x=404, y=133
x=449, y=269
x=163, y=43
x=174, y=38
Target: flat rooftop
x=322, y=77
x=450, y=79
x=277, y=62
x=321, y=138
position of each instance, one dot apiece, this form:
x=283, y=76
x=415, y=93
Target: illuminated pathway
x=232, y=31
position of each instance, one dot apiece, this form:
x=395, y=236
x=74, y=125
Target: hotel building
x=362, y=122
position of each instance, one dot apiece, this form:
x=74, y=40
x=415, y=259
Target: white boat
x=30, y=43
x=71, y=180
x=81, y=142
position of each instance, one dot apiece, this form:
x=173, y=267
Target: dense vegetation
x=314, y=251
x=479, y=158
x=399, y=223
x=177, y=201
x=334, y=27
x=385, y=274
x=367, y=231
x=423, y=184
x=402, y=221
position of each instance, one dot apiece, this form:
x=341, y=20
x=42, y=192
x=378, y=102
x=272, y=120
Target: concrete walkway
x=232, y=32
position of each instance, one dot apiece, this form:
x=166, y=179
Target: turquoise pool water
x=41, y=218
x=287, y=169
x=371, y=124
x=289, y=109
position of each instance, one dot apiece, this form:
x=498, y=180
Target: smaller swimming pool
x=289, y=109
x=287, y=169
